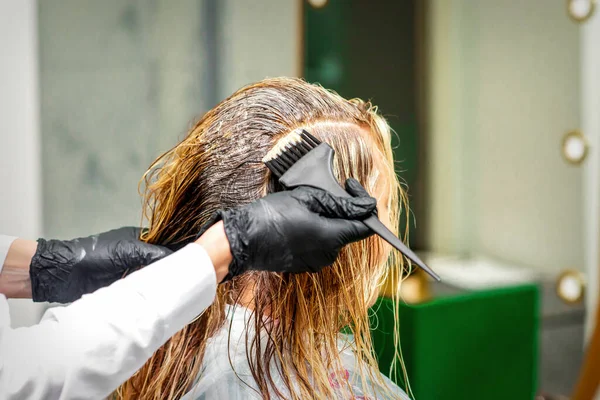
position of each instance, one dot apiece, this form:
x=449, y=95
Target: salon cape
x=226, y=373
x=87, y=349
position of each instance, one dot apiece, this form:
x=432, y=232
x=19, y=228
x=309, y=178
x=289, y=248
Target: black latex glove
x=63, y=271
x=302, y=230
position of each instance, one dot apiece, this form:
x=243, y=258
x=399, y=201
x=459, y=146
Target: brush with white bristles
x=300, y=159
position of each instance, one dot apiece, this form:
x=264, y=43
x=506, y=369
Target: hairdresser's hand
x=296, y=231
x=63, y=271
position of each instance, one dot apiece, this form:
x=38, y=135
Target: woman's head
x=218, y=165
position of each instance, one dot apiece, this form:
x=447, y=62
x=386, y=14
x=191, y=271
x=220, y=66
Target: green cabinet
x=472, y=346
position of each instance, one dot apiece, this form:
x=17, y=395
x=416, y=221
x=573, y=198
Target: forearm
x=15, y=279
x=216, y=245
x=87, y=349
x=14, y=276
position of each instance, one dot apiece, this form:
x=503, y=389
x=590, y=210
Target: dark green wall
x=368, y=50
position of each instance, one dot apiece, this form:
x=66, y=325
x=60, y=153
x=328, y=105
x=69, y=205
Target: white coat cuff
x=187, y=288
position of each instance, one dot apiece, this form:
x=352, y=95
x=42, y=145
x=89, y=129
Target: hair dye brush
x=300, y=159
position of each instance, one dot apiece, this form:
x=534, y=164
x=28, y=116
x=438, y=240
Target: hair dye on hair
x=218, y=165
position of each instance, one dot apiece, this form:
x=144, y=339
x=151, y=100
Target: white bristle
x=290, y=140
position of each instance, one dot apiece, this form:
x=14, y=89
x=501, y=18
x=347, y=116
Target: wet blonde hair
x=218, y=165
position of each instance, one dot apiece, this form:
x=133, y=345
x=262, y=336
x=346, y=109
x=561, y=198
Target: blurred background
x=496, y=109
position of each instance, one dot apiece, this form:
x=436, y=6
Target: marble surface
x=120, y=82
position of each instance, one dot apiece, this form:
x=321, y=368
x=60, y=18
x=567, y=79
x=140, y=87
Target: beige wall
x=504, y=89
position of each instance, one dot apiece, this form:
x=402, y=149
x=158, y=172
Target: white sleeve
x=87, y=349
x=5, y=242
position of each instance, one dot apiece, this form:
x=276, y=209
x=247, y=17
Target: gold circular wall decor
x=574, y=147
x=581, y=10
x=570, y=286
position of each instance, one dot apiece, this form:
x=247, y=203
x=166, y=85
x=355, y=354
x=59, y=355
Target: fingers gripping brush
x=300, y=159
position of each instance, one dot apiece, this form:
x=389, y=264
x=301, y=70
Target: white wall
x=20, y=213
x=590, y=125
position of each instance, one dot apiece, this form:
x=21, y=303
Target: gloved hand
x=63, y=271
x=302, y=230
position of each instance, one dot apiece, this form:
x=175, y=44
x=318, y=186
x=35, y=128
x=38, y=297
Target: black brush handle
x=378, y=227
x=316, y=169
